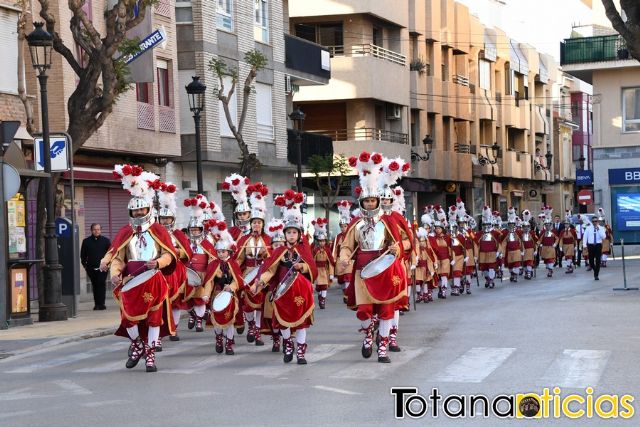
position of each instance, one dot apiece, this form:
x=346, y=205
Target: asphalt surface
x=569, y=331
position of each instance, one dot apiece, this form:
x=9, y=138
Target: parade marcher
x=426, y=259
x=512, y=246
x=179, y=289
x=579, y=227
x=275, y=231
x=289, y=272
x=530, y=243
x=488, y=248
x=141, y=248
x=203, y=253
x=469, y=244
x=366, y=240
x=496, y=221
x=548, y=242
x=458, y=252
x=594, y=235
x=607, y=242
x=237, y=185
x=225, y=276
x=440, y=244
x=253, y=249
x=323, y=259
x=342, y=274
x=567, y=242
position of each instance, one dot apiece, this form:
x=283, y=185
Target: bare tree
x=629, y=29
x=330, y=172
x=25, y=6
x=257, y=60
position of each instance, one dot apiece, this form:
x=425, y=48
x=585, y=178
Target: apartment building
x=600, y=58
x=426, y=80
x=227, y=29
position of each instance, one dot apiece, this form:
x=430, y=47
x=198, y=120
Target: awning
x=490, y=50
x=517, y=60
x=543, y=74
x=22, y=134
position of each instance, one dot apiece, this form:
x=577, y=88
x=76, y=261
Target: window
x=264, y=112
x=509, y=77
x=225, y=130
x=631, y=109
x=164, y=98
x=484, y=67
x=327, y=35
x=225, y=15
x=143, y=93
x=261, y=21
x=184, y=13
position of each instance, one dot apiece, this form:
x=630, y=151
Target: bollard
x=624, y=271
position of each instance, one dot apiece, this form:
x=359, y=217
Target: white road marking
x=73, y=388
x=314, y=354
x=70, y=358
x=5, y=415
x=577, y=368
x=19, y=394
x=475, y=365
x=371, y=369
x=104, y=403
x=195, y=394
x=335, y=390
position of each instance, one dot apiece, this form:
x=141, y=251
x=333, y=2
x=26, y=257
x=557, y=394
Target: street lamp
x=40, y=47
x=428, y=147
x=195, y=92
x=297, y=117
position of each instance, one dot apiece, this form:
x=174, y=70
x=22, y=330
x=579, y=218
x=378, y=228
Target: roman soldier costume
x=141, y=256
x=529, y=242
x=512, y=246
x=464, y=223
x=366, y=240
x=275, y=231
x=568, y=240
x=237, y=185
x=343, y=273
x=324, y=260
x=488, y=248
x=607, y=242
x=426, y=258
x=548, y=241
x=289, y=272
x=440, y=243
x=458, y=252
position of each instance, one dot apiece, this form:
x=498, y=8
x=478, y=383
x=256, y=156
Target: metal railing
x=461, y=80
x=335, y=50
x=363, y=134
x=368, y=50
x=462, y=148
x=592, y=49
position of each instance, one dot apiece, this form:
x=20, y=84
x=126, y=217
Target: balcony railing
x=369, y=50
x=363, y=134
x=146, y=118
x=592, y=49
x=461, y=80
x=305, y=56
x=462, y=148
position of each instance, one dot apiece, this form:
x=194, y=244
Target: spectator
x=93, y=249
x=557, y=228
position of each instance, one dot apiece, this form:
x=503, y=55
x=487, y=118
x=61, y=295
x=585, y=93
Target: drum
x=377, y=266
x=285, y=285
x=250, y=276
x=193, y=278
x=225, y=308
x=139, y=279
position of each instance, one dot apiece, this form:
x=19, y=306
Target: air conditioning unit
x=394, y=111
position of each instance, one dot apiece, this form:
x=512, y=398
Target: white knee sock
x=154, y=334
x=604, y=257
x=384, y=328
x=323, y=294
x=258, y=316
x=345, y=285
x=133, y=332
x=516, y=270
x=249, y=316
x=364, y=324
x=468, y=276
x=286, y=333
x=229, y=332
x=301, y=336
x=418, y=288
x=396, y=319
x=487, y=274
x=550, y=266
x=456, y=282
x=529, y=268
x=199, y=309
x=492, y=273
x=443, y=282
x=217, y=330
x=176, y=316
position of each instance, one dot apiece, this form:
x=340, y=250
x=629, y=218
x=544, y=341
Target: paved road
x=569, y=331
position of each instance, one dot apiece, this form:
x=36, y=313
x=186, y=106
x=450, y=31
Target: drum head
x=250, y=276
x=284, y=286
x=377, y=266
x=193, y=278
x=139, y=279
x=222, y=301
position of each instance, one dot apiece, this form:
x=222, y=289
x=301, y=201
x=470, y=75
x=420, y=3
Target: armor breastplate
x=512, y=237
x=197, y=249
x=455, y=241
x=254, y=245
x=487, y=237
x=371, y=234
x=548, y=234
x=142, y=247
x=526, y=237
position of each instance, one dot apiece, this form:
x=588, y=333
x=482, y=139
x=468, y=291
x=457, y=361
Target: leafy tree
x=629, y=29
x=330, y=173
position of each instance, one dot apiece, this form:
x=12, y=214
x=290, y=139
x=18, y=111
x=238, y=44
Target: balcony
x=580, y=56
x=517, y=165
x=382, y=10
x=445, y=166
x=306, y=62
x=146, y=117
x=351, y=142
x=361, y=134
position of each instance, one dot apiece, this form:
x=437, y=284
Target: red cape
x=243, y=242
x=317, y=249
x=159, y=234
x=302, y=250
x=183, y=242
x=234, y=268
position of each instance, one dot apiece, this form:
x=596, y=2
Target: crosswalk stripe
x=314, y=354
x=52, y=363
x=72, y=387
x=475, y=365
x=577, y=368
x=365, y=370
x=214, y=359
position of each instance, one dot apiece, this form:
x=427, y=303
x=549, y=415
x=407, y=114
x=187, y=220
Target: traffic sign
x=63, y=227
x=585, y=197
x=59, y=153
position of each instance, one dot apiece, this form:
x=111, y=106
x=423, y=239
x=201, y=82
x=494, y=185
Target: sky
x=540, y=23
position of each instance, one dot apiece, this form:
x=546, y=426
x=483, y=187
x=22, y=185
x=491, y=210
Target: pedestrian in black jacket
x=93, y=249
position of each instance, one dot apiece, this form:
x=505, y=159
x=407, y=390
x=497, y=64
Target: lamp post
x=195, y=92
x=40, y=47
x=297, y=117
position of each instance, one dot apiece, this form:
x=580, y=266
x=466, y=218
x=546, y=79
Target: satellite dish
x=11, y=181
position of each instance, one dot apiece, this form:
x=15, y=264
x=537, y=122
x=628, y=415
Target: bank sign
x=628, y=176
x=584, y=177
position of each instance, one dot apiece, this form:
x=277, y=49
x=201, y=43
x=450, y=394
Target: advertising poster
x=19, y=289
x=628, y=211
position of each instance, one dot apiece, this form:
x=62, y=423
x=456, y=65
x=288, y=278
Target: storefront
x=625, y=204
